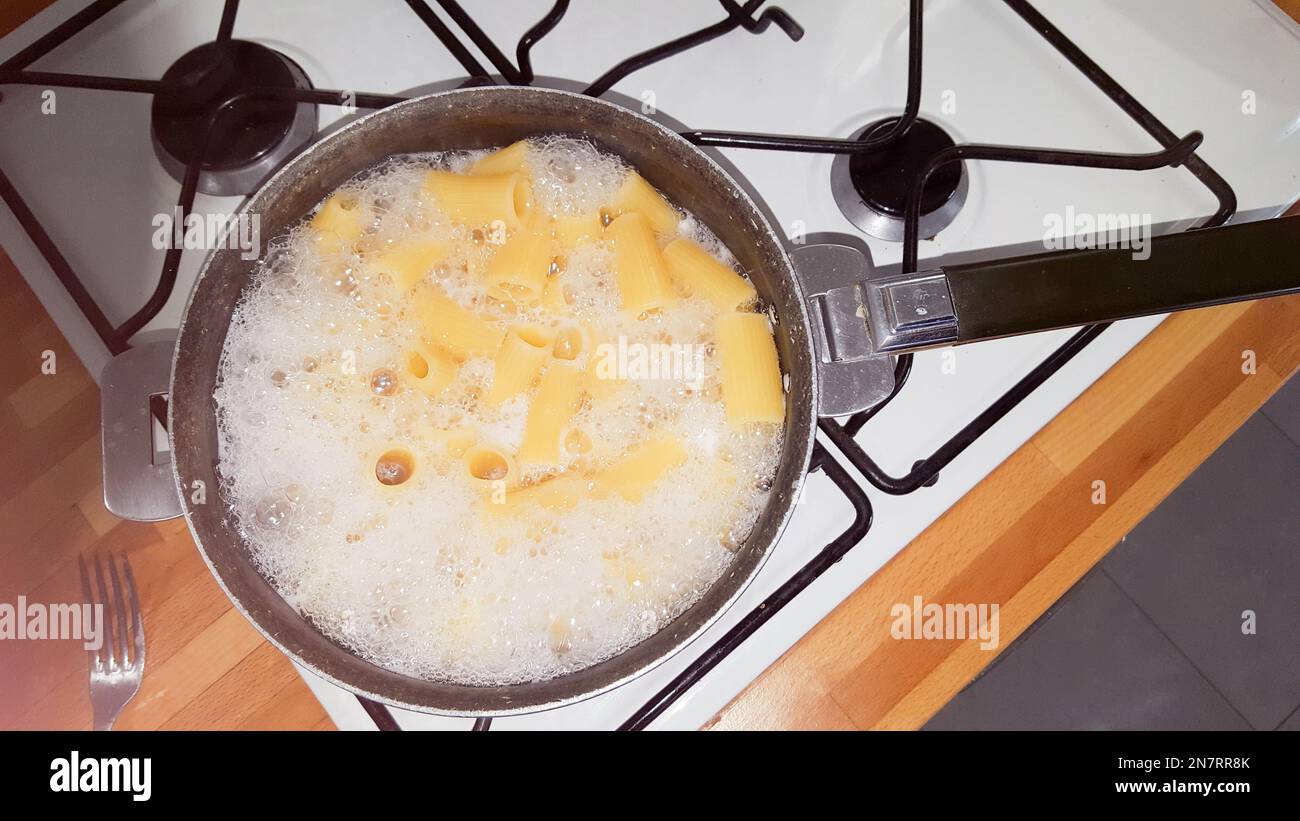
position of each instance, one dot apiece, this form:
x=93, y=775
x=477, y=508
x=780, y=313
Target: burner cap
x=872, y=188
x=253, y=138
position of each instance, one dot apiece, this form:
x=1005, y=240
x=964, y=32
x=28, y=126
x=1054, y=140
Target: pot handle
x=956, y=304
x=850, y=376
x=138, y=483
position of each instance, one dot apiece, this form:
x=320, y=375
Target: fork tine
x=108, y=616
x=119, y=608
x=137, y=622
x=96, y=662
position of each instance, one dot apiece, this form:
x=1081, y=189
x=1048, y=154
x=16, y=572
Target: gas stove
x=825, y=111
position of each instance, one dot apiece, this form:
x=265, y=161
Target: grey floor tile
x=1284, y=408
x=1095, y=663
x=1292, y=723
x=1226, y=541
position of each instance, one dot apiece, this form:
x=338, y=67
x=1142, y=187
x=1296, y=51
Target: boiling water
x=423, y=577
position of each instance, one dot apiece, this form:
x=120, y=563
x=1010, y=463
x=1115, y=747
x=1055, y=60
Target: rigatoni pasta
x=488, y=417
x=637, y=195
x=520, y=267
x=552, y=407
x=338, y=223
x=643, y=282
x=511, y=159
x=521, y=358
x=430, y=369
x=407, y=264
x=699, y=273
x=571, y=231
x=451, y=326
x=638, y=472
x=751, y=374
x=481, y=200
x=553, y=494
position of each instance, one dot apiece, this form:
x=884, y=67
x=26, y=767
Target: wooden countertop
x=1020, y=538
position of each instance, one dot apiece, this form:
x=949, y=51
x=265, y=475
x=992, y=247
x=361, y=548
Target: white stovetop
x=89, y=174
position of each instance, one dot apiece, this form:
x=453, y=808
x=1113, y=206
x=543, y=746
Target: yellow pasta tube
x=553, y=297
x=751, y=374
x=634, y=475
x=430, y=369
x=553, y=406
x=640, y=196
x=602, y=378
x=601, y=388
x=453, y=444
x=407, y=264
x=701, y=274
x=506, y=160
x=558, y=494
x=520, y=267
x=626, y=574
x=522, y=355
x=570, y=231
x=467, y=627
x=488, y=465
x=643, y=282
x=339, y=222
x=482, y=200
x=449, y=326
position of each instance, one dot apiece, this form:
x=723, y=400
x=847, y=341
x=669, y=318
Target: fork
x=114, y=680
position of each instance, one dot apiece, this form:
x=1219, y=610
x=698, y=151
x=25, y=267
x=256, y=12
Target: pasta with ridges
x=441, y=434
x=643, y=281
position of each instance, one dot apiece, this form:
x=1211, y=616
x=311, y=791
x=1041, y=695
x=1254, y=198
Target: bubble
x=383, y=382
x=425, y=577
x=272, y=513
x=345, y=282
x=729, y=541
x=575, y=441
x=320, y=511
x=395, y=467
x=568, y=344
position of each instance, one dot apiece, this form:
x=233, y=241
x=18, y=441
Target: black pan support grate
x=1173, y=152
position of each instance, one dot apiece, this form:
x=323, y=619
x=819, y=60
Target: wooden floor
x=205, y=666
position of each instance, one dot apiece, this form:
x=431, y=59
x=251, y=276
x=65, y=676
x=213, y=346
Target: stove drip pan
x=253, y=138
x=871, y=189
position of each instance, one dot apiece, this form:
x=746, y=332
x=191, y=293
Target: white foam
x=418, y=578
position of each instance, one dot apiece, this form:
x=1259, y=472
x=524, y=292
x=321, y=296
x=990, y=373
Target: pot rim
x=807, y=439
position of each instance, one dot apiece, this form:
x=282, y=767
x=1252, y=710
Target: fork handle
x=105, y=719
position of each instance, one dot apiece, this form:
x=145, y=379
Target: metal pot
x=835, y=362
x=467, y=119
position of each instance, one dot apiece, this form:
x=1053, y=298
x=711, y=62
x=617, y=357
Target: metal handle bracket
x=138, y=482
x=851, y=375
x=910, y=311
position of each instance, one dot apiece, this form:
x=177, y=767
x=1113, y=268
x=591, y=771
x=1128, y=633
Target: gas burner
x=253, y=138
x=871, y=189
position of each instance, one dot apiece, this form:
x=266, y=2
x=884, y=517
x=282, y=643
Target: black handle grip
x=1062, y=289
